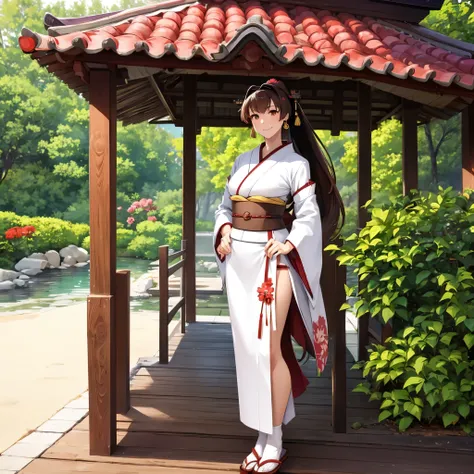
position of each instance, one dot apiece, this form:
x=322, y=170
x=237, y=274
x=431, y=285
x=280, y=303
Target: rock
x=63, y=267
x=8, y=274
x=69, y=260
x=81, y=255
x=32, y=271
x=212, y=267
x=38, y=255
x=6, y=285
x=53, y=258
x=19, y=282
x=30, y=263
x=143, y=284
x=81, y=264
x=24, y=277
x=66, y=251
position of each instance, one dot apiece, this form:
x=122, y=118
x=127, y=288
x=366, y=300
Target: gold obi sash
x=257, y=213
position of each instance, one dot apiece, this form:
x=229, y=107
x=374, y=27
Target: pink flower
x=143, y=202
x=136, y=204
x=119, y=208
x=130, y=220
x=149, y=202
x=131, y=209
x=152, y=218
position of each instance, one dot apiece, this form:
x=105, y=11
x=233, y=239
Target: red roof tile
x=225, y=29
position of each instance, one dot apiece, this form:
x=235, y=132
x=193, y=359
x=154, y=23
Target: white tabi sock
x=272, y=450
x=259, y=447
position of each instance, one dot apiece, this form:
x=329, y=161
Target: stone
x=38, y=255
x=6, y=285
x=8, y=274
x=69, y=260
x=32, y=271
x=81, y=264
x=65, y=251
x=24, y=277
x=27, y=263
x=19, y=282
x=53, y=257
x=81, y=255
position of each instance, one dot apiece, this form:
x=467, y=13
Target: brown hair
x=307, y=144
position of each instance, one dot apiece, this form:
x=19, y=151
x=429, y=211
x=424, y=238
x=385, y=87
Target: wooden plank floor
x=185, y=420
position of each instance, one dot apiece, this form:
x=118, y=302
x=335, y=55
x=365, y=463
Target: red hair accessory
x=272, y=81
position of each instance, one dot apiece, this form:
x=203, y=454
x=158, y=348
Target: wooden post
x=164, y=294
x=409, y=145
x=122, y=345
x=101, y=301
x=189, y=194
x=364, y=187
x=468, y=147
x=332, y=286
x=182, y=289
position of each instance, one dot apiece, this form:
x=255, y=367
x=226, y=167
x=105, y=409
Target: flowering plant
x=139, y=210
x=19, y=232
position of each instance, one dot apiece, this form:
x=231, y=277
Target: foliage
x=415, y=258
x=455, y=19
x=220, y=147
x=171, y=214
x=144, y=246
x=203, y=226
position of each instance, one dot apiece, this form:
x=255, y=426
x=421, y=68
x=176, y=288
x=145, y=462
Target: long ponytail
x=307, y=143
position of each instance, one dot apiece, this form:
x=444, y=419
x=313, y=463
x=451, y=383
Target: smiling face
x=267, y=123
x=266, y=109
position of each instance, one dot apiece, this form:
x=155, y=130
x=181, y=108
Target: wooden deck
x=185, y=420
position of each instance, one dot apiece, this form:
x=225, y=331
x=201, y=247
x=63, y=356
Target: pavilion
x=185, y=62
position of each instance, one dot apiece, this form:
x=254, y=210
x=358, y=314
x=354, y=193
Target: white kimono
x=282, y=174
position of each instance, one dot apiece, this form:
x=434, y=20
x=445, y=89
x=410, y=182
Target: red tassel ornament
x=265, y=295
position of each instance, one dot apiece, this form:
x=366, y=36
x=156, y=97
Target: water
x=59, y=288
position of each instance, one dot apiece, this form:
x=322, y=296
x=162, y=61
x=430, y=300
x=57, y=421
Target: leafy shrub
x=171, y=214
x=416, y=257
x=174, y=234
x=202, y=226
x=124, y=237
x=144, y=246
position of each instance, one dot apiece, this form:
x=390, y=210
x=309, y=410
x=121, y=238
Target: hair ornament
x=294, y=94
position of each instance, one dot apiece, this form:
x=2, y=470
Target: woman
x=270, y=263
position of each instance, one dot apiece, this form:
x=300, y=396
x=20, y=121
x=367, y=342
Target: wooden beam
x=189, y=194
x=468, y=147
x=101, y=301
x=337, y=118
x=364, y=188
x=409, y=145
x=162, y=98
x=200, y=64
x=122, y=345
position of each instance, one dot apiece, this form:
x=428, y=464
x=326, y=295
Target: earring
x=297, y=118
x=252, y=133
x=285, y=125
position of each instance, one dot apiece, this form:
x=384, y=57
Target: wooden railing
x=163, y=282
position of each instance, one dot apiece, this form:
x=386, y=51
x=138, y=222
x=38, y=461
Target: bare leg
x=280, y=374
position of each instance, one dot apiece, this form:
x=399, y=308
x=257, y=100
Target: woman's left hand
x=275, y=247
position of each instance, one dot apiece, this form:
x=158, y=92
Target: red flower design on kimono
x=320, y=336
x=265, y=295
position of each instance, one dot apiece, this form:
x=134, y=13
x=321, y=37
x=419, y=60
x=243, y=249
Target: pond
x=59, y=288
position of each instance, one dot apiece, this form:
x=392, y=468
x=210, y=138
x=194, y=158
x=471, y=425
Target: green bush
x=156, y=229
x=202, y=226
x=144, y=246
x=171, y=214
x=173, y=236
x=86, y=243
x=124, y=237
x=416, y=258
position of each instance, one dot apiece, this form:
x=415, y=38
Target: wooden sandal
x=244, y=470
x=282, y=459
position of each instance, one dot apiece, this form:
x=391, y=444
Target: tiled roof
x=224, y=30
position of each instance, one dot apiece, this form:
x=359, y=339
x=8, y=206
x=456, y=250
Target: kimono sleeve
x=223, y=216
x=306, y=233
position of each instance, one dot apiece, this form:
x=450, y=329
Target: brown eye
x=273, y=112
x=254, y=117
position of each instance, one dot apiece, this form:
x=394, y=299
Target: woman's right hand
x=224, y=247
